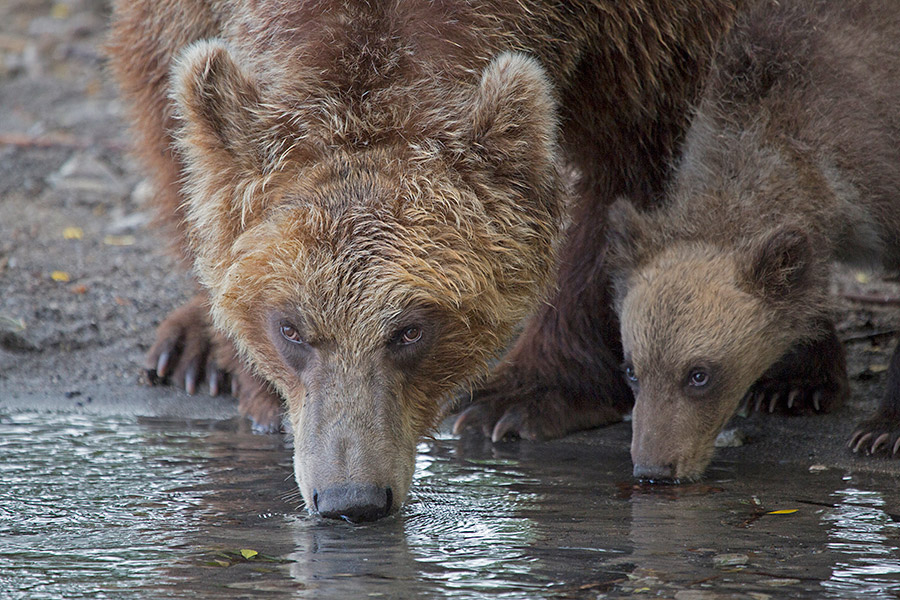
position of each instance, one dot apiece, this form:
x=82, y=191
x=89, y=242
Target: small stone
x=781, y=582
x=730, y=438
x=730, y=560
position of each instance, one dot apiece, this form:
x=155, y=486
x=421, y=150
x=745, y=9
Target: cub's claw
x=796, y=400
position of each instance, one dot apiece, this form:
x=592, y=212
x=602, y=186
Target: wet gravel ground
x=84, y=282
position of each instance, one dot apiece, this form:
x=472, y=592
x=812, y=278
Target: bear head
x=701, y=321
x=367, y=269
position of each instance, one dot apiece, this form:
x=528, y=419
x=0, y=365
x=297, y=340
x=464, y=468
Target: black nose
x=655, y=473
x=354, y=502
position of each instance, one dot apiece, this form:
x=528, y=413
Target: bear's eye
x=630, y=374
x=698, y=378
x=409, y=335
x=290, y=333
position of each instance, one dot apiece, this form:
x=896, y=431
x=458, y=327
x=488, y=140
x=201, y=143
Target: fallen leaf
x=784, y=511
x=119, y=240
x=122, y=301
x=862, y=277
x=877, y=368
x=248, y=554
x=61, y=276
x=79, y=288
x=73, y=233
x=60, y=11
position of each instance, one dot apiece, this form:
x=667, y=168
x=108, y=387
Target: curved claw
x=792, y=397
x=162, y=363
x=460, y=424
x=862, y=441
x=879, y=441
x=508, y=424
x=760, y=396
x=773, y=402
x=190, y=378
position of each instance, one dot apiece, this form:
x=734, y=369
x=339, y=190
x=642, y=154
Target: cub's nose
x=354, y=502
x=655, y=473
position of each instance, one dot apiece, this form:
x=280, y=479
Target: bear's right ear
x=779, y=264
x=217, y=104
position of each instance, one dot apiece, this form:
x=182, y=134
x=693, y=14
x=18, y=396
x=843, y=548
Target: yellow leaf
x=73, y=233
x=248, y=554
x=877, y=368
x=862, y=277
x=59, y=276
x=119, y=240
x=785, y=511
x=60, y=11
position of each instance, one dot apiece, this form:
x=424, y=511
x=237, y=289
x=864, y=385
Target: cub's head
x=367, y=273
x=700, y=323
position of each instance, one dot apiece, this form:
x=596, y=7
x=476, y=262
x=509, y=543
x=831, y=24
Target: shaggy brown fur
x=792, y=160
x=357, y=170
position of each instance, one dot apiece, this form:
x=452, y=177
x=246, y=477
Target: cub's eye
x=409, y=335
x=290, y=333
x=698, y=378
x=630, y=374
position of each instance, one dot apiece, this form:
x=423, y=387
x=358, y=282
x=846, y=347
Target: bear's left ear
x=779, y=264
x=513, y=126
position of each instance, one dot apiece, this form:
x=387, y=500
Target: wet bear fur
x=792, y=161
x=372, y=197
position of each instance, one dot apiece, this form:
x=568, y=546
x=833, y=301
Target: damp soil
x=111, y=488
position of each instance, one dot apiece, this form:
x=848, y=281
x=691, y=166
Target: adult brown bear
x=372, y=193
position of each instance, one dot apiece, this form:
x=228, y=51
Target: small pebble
x=730, y=560
x=730, y=438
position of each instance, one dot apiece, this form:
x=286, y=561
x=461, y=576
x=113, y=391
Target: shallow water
x=118, y=507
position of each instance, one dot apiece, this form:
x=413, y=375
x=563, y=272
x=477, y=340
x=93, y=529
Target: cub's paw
x=878, y=434
x=793, y=397
x=811, y=378
x=535, y=412
x=183, y=354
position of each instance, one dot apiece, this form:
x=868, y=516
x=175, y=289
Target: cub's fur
x=792, y=160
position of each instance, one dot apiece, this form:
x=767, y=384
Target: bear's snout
x=655, y=473
x=354, y=502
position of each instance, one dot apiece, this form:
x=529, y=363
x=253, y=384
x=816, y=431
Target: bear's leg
x=811, y=377
x=188, y=351
x=882, y=431
x=562, y=374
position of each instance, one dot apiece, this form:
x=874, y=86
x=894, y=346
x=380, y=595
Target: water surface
x=126, y=507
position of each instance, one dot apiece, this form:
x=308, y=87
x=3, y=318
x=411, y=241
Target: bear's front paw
x=533, y=413
x=880, y=433
x=257, y=401
x=182, y=353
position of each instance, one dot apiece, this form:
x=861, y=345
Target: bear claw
x=877, y=435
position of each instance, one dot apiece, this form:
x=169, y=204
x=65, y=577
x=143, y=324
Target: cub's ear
x=513, y=122
x=779, y=264
x=217, y=102
x=625, y=235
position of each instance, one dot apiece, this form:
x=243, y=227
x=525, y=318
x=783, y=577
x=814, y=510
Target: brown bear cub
x=792, y=160
x=372, y=194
